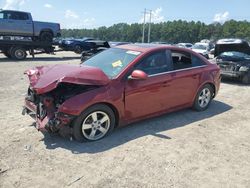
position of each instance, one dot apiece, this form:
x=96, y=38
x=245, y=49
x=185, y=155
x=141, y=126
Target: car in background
x=184, y=45
x=119, y=86
x=76, y=45
x=227, y=45
x=87, y=54
x=233, y=58
x=202, y=48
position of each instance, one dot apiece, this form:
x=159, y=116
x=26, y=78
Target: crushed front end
x=44, y=108
x=51, y=87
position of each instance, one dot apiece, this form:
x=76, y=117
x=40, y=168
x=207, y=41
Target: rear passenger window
x=23, y=16
x=196, y=61
x=184, y=60
x=181, y=60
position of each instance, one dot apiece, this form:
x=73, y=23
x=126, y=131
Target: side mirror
x=138, y=75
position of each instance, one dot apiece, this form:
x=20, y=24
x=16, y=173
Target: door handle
x=10, y=21
x=195, y=76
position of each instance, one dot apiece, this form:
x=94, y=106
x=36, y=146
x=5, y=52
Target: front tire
x=94, y=123
x=203, y=98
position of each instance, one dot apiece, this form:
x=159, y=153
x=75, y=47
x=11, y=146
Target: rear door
x=186, y=74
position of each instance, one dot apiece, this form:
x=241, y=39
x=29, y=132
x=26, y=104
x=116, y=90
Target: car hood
x=242, y=47
x=46, y=78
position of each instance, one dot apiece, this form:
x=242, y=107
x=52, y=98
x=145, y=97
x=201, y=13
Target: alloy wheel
x=204, y=97
x=96, y=125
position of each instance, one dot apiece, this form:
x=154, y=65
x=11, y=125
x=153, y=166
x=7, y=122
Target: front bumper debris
x=48, y=122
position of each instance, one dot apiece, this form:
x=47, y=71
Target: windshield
x=199, y=46
x=236, y=55
x=112, y=61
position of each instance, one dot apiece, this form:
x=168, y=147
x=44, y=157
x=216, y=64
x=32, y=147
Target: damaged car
x=118, y=86
x=233, y=58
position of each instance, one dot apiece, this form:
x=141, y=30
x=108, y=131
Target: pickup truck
x=17, y=23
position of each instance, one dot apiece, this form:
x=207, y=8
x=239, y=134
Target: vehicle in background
x=202, y=48
x=233, y=58
x=111, y=89
x=113, y=44
x=159, y=42
x=96, y=47
x=184, y=45
x=76, y=45
x=227, y=45
x=17, y=23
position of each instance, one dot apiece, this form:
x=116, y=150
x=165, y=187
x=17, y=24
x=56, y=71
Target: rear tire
x=18, y=53
x=246, y=78
x=46, y=36
x=94, y=123
x=78, y=49
x=203, y=98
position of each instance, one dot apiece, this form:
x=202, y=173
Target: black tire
x=78, y=49
x=81, y=134
x=202, y=102
x=46, y=36
x=246, y=78
x=18, y=53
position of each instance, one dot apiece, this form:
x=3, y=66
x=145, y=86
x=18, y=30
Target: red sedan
x=119, y=86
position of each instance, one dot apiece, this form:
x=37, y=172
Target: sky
x=96, y=13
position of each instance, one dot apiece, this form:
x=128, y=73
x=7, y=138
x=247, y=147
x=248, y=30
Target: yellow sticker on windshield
x=117, y=63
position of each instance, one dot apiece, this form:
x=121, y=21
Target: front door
x=145, y=97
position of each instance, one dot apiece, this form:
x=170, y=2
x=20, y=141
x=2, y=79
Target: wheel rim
x=204, y=97
x=19, y=54
x=95, y=125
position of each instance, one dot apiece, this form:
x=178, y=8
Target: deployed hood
x=229, y=45
x=46, y=78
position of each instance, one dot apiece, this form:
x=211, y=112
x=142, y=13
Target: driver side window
x=155, y=63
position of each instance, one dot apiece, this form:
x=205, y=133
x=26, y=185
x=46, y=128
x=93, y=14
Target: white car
x=202, y=48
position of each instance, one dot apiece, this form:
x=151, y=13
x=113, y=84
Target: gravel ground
x=181, y=149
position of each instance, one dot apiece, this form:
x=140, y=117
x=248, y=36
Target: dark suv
x=233, y=58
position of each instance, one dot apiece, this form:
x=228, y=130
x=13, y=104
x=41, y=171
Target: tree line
x=170, y=32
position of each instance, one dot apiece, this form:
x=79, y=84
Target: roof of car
x=12, y=11
x=143, y=47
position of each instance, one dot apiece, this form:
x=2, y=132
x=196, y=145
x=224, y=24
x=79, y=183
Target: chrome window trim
x=158, y=74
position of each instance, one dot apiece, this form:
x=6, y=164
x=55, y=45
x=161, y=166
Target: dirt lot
x=181, y=149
